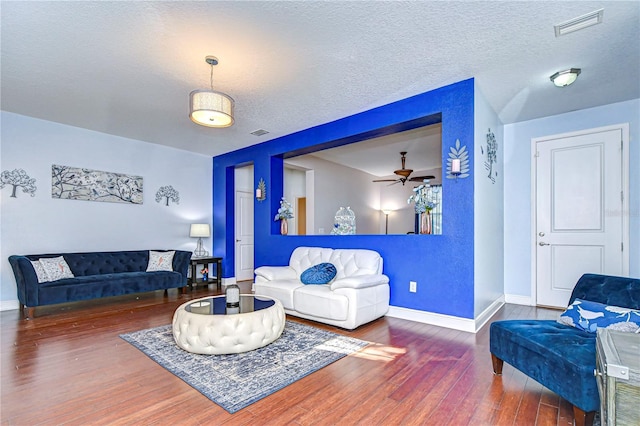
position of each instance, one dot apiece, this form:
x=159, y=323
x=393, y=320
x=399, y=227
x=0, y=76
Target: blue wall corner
x=441, y=264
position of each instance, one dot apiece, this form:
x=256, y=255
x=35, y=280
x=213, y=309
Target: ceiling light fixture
x=208, y=107
x=566, y=77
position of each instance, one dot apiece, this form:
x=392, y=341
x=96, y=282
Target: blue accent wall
x=441, y=264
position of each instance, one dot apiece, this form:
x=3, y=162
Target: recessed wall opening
x=365, y=172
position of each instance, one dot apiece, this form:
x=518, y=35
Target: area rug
x=238, y=380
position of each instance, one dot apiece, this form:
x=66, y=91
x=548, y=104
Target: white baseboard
x=516, y=299
x=486, y=315
x=448, y=321
x=9, y=305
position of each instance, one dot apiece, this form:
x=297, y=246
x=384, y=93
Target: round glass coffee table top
x=217, y=305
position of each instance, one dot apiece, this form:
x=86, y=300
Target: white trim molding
x=517, y=299
x=9, y=305
x=448, y=321
x=624, y=170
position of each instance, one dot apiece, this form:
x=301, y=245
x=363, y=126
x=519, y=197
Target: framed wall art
x=74, y=183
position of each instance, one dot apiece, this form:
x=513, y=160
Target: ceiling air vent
x=579, y=23
x=259, y=132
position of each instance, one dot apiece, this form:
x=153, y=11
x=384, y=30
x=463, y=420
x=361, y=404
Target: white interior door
x=244, y=236
x=579, y=225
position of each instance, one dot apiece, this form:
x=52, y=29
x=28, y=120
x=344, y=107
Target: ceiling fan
x=405, y=173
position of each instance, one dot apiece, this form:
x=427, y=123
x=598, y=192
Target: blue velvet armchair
x=560, y=357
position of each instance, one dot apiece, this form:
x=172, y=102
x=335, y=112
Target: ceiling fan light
x=566, y=77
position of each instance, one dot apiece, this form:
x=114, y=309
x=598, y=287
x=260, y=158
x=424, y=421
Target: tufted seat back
x=100, y=263
x=348, y=262
x=608, y=290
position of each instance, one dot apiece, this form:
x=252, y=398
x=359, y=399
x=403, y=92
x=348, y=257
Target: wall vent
x=579, y=23
x=259, y=132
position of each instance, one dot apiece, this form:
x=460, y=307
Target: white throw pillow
x=40, y=273
x=160, y=261
x=56, y=268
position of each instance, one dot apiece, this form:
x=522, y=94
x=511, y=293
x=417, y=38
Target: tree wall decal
x=168, y=193
x=18, y=178
x=492, y=155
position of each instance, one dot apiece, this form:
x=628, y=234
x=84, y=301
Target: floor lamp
x=386, y=220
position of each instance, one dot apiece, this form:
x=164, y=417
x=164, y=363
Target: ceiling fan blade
x=386, y=180
x=396, y=182
x=421, y=178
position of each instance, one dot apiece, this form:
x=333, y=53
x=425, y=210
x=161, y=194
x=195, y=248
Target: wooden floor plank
x=69, y=366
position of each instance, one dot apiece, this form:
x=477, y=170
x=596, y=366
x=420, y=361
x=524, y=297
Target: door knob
x=541, y=234
x=542, y=243
x=237, y=241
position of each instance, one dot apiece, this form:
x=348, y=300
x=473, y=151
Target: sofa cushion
x=281, y=290
x=55, y=268
x=106, y=285
x=356, y=262
x=589, y=316
x=319, y=301
x=40, y=273
x=321, y=273
x=160, y=260
x=305, y=257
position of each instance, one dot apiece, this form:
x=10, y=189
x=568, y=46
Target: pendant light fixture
x=208, y=107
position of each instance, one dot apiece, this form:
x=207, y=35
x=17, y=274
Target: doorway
x=243, y=218
x=580, y=193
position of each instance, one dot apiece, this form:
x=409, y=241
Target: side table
x=618, y=377
x=206, y=261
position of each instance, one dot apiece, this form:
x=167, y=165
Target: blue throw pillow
x=321, y=273
x=589, y=316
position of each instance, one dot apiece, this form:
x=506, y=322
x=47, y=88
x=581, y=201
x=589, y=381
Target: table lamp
x=200, y=230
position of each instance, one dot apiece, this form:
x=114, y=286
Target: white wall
x=488, y=245
x=41, y=224
x=394, y=197
x=517, y=186
x=338, y=186
x=295, y=187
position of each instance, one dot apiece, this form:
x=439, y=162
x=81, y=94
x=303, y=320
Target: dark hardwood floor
x=68, y=366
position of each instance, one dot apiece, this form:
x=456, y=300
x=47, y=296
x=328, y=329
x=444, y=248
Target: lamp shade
x=210, y=108
x=199, y=230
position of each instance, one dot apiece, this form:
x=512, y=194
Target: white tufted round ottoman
x=206, y=326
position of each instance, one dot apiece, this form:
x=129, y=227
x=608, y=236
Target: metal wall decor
x=74, y=183
x=492, y=155
x=18, y=178
x=261, y=191
x=169, y=194
x=458, y=162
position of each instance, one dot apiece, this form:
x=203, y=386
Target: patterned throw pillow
x=160, y=260
x=322, y=273
x=56, y=268
x=589, y=316
x=40, y=273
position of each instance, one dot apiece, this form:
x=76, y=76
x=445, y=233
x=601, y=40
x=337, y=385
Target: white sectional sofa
x=358, y=294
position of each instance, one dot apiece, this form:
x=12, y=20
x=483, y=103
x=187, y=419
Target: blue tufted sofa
x=97, y=274
x=560, y=357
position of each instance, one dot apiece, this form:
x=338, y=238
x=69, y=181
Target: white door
x=244, y=236
x=579, y=225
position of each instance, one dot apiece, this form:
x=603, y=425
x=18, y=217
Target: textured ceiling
x=126, y=68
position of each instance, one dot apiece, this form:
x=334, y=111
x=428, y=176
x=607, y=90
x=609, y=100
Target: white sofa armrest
x=360, y=281
x=270, y=273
